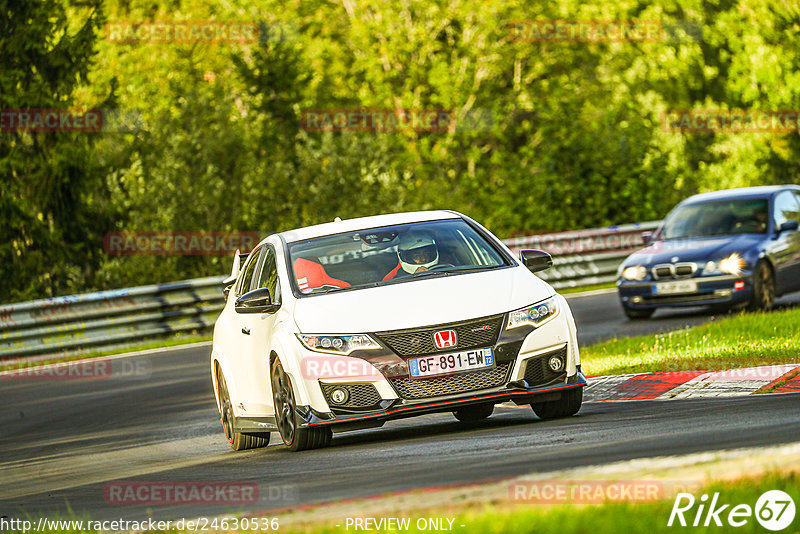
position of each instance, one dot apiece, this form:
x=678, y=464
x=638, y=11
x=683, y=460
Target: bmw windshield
x=717, y=218
x=389, y=255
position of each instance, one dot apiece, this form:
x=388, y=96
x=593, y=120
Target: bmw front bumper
x=711, y=290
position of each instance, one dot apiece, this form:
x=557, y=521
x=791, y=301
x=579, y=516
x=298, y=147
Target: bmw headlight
x=534, y=315
x=733, y=264
x=338, y=344
x=634, y=272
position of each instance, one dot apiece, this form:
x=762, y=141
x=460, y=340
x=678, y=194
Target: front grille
x=674, y=270
x=423, y=388
x=361, y=395
x=538, y=372
x=663, y=271
x=477, y=333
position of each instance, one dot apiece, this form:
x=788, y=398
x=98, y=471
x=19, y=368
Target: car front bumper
x=711, y=290
x=521, y=373
x=518, y=392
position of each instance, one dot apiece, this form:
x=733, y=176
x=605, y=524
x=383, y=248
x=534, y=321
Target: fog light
x=339, y=396
x=636, y=300
x=555, y=363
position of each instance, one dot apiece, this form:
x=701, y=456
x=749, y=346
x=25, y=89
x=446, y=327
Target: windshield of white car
x=390, y=255
x=717, y=218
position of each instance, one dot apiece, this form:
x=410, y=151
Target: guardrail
x=110, y=319
x=585, y=257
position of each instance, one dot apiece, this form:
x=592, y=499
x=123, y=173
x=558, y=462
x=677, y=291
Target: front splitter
x=516, y=393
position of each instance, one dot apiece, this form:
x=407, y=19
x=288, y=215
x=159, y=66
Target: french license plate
x=675, y=288
x=451, y=363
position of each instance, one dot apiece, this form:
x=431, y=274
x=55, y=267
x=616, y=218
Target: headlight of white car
x=534, y=315
x=333, y=344
x=634, y=272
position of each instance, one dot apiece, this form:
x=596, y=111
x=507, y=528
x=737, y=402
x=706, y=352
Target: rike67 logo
x=774, y=510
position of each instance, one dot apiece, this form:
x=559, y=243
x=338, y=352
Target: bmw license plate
x=675, y=288
x=451, y=363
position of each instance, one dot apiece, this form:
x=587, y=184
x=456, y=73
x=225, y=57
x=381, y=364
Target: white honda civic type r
x=349, y=324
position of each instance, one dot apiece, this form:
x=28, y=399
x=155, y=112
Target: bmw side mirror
x=788, y=226
x=256, y=301
x=647, y=237
x=535, y=260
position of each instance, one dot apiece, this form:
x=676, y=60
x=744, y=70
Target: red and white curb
x=693, y=384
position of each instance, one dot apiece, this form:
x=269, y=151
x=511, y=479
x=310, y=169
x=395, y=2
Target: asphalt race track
x=63, y=441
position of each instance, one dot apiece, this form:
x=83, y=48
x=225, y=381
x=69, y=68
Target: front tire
x=475, y=413
x=294, y=437
x=238, y=441
x=634, y=314
x=568, y=405
x=763, y=288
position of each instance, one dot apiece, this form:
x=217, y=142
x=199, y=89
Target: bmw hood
x=693, y=250
x=417, y=303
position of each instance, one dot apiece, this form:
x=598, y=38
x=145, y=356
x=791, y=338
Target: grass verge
x=743, y=340
x=582, y=289
x=613, y=518
x=607, y=518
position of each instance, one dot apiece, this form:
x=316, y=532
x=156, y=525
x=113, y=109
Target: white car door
x=255, y=331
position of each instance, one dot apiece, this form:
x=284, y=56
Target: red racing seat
x=311, y=275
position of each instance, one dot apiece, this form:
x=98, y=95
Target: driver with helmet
x=417, y=252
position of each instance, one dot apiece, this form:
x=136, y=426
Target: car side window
x=786, y=208
x=268, y=277
x=246, y=278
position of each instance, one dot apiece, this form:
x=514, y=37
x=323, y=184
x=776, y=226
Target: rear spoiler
x=238, y=260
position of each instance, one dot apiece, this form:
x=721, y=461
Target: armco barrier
x=585, y=257
x=101, y=320
x=108, y=318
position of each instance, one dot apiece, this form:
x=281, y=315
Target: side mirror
x=227, y=291
x=536, y=260
x=647, y=237
x=788, y=226
x=256, y=301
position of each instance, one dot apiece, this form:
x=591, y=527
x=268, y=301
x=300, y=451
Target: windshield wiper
x=331, y=289
x=472, y=268
x=416, y=276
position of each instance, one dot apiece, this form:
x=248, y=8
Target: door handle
x=245, y=331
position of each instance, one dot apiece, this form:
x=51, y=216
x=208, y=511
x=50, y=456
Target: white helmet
x=417, y=249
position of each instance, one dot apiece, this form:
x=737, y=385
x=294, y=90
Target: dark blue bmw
x=733, y=248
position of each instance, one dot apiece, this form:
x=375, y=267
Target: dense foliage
x=569, y=134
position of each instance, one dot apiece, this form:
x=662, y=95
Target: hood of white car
x=424, y=302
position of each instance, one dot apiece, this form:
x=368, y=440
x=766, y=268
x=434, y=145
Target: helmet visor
x=419, y=255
